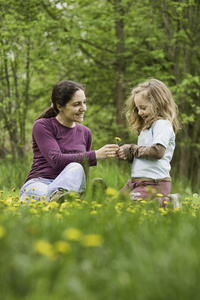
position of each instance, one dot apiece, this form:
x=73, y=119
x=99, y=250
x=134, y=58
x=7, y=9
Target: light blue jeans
x=72, y=178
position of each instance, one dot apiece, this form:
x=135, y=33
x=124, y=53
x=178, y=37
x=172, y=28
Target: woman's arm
x=44, y=138
x=49, y=148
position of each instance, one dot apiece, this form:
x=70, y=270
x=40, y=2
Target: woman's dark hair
x=62, y=93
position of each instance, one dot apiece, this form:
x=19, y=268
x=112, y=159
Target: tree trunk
x=120, y=67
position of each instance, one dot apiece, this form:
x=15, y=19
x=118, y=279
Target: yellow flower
x=22, y=202
x=8, y=202
x=59, y=216
x=93, y=212
x=143, y=201
x=139, y=199
x=46, y=208
x=92, y=240
x=111, y=191
x=14, y=189
x=62, y=247
x=117, y=139
x=32, y=200
x=72, y=234
x=160, y=195
x=45, y=248
x=53, y=204
x=33, y=210
x=2, y=231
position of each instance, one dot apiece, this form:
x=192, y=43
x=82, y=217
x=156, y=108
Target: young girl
x=151, y=113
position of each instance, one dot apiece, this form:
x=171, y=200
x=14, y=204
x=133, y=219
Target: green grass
x=116, y=250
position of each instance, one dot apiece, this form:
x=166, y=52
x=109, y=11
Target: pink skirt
x=147, y=190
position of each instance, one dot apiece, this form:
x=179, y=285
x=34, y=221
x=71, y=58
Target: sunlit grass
x=92, y=249
x=99, y=247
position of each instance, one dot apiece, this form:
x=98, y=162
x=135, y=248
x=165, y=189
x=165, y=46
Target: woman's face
x=144, y=107
x=73, y=111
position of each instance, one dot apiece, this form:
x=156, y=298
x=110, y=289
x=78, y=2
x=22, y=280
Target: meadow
x=101, y=247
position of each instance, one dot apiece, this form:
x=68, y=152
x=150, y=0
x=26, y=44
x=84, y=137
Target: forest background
x=109, y=46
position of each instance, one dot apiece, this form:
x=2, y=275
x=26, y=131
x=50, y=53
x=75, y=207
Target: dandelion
x=111, y=191
x=159, y=195
x=92, y=240
x=143, y=201
x=2, y=232
x=46, y=208
x=27, y=198
x=9, y=202
x=59, y=216
x=53, y=204
x=72, y=234
x=187, y=199
x=39, y=204
x=32, y=200
x=119, y=205
x=14, y=190
x=117, y=139
x=84, y=202
x=144, y=213
x=195, y=195
x=139, y=199
x=62, y=247
x=93, y=212
x=43, y=202
x=33, y=210
x=22, y=202
x=45, y=248
x=33, y=189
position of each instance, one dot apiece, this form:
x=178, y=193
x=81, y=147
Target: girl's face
x=73, y=111
x=144, y=107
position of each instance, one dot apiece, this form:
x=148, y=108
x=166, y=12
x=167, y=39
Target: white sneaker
x=176, y=200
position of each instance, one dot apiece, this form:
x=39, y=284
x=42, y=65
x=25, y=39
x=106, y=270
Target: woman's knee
x=75, y=167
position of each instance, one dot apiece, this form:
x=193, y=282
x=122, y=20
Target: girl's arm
x=128, y=152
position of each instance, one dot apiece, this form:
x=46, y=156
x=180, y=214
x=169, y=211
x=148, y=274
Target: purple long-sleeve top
x=55, y=146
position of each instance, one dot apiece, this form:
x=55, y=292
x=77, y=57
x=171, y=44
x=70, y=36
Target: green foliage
x=109, y=46
x=13, y=174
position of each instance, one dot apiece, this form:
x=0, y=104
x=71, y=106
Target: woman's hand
x=107, y=151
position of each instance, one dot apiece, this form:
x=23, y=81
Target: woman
x=62, y=146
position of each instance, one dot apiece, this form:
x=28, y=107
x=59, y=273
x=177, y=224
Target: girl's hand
x=123, y=150
x=107, y=151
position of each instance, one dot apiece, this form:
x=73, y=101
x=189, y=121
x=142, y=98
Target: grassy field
x=102, y=247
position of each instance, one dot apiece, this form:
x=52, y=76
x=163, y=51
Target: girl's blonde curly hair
x=163, y=104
